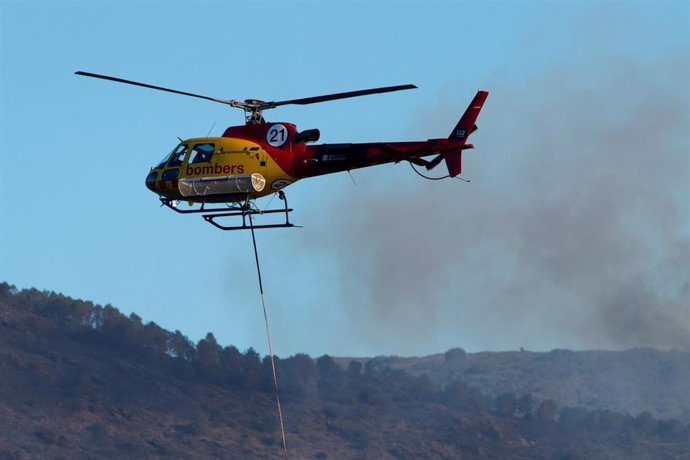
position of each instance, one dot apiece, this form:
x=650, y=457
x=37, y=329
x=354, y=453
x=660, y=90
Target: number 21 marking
x=277, y=135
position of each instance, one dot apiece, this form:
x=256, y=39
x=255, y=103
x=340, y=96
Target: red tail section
x=462, y=131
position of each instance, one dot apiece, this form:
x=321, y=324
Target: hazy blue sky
x=574, y=232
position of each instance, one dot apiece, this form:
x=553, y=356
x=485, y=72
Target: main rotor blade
x=145, y=85
x=331, y=97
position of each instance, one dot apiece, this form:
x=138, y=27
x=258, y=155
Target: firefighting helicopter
x=223, y=176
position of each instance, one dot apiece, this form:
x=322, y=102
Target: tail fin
x=462, y=131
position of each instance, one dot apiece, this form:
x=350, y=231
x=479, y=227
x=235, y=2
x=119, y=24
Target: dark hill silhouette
x=630, y=381
x=82, y=381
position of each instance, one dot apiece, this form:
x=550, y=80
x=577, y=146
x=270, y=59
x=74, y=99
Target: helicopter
x=221, y=177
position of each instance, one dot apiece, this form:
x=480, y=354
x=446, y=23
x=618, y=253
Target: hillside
x=631, y=381
x=82, y=381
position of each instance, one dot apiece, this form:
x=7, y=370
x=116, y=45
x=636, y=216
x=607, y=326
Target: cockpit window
x=201, y=153
x=175, y=151
x=163, y=161
x=178, y=155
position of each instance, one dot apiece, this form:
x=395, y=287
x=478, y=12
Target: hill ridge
x=80, y=380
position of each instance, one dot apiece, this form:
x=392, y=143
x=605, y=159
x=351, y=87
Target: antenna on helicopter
x=253, y=108
x=211, y=129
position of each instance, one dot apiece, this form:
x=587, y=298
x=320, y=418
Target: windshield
x=177, y=155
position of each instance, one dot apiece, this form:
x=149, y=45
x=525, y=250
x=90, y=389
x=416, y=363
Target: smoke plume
x=573, y=233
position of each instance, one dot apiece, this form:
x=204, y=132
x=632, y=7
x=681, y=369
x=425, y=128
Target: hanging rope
x=427, y=177
x=270, y=346
x=437, y=178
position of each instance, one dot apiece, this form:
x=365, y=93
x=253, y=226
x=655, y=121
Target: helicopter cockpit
x=172, y=160
x=175, y=156
x=200, y=154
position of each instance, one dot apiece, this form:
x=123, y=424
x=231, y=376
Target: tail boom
x=315, y=160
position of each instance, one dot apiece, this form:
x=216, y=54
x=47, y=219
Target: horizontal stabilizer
x=433, y=163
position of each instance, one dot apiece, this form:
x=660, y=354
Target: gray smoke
x=573, y=233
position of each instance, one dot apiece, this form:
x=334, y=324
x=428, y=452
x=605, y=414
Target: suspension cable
x=437, y=178
x=270, y=346
x=427, y=177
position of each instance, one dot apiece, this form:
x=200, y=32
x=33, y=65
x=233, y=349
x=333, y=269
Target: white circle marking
x=280, y=183
x=277, y=135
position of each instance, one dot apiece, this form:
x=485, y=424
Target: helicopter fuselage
x=256, y=160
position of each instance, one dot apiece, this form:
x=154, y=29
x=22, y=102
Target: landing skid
x=246, y=209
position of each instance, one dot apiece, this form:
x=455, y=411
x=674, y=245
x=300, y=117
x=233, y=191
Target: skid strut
x=244, y=210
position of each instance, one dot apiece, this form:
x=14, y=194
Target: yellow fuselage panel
x=230, y=157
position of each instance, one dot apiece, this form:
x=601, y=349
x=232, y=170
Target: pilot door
x=223, y=169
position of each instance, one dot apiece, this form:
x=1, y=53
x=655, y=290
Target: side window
x=201, y=153
x=178, y=155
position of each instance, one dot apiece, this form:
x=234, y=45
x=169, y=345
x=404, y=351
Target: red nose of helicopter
x=162, y=179
x=164, y=182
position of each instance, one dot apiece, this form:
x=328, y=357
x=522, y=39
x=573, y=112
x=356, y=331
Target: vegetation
x=81, y=380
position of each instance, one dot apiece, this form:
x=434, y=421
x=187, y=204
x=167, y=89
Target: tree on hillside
x=330, y=375
x=116, y=330
x=181, y=347
x=645, y=423
x=156, y=339
x=232, y=362
x=252, y=368
x=454, y=355
x=422, y=388
x=460, y=395
x=207, y=361
x=525, y=405
x=547, y=410
x=506, y=404
x=297, y=375
x=354, y=370
x=7, y=290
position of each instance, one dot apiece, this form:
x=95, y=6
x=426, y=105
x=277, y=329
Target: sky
x=574, y=231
